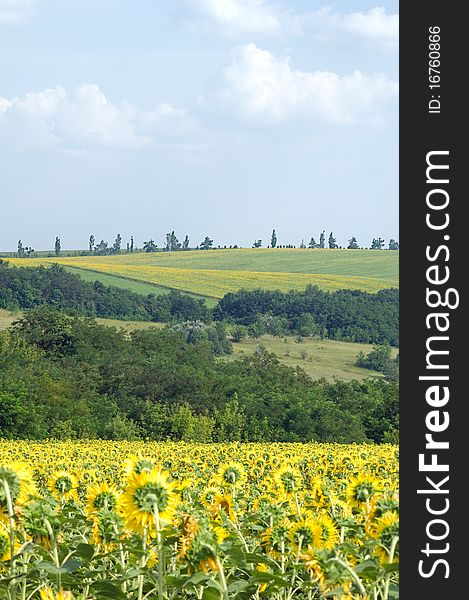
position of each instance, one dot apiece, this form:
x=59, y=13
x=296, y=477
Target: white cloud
x=235, y=17
x=374, y=24
x=261, y=88
x=85, y=118
x=16, y=11
x=264, y=18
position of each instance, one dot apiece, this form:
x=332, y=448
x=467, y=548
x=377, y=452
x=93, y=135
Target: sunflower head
x=16, y=484
x=361, y=490
x=232, y=474
x=199, y=547
x=138, y=464
x=288, y=479
x=149, y=500
x=102, y=496
x=386, y=530
x=63, y=486
x=306, y=532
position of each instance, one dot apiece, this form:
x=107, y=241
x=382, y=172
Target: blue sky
x=225, y=118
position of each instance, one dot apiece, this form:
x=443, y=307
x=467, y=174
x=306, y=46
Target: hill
x=214, y=273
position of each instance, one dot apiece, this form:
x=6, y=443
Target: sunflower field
x=154, y=520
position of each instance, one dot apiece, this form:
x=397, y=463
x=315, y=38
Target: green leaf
x=392, y=568
x=50, y=568
x=196, y=579
x=367, y=568
x=106, y=589
x=84, y=551
x=71, y=565
x=211, y=594
x=238, y=586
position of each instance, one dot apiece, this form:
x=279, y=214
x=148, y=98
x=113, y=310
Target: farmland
x=212, y=274
x=103, y=519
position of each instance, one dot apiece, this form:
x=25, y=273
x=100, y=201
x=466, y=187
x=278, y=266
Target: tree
x=393, y=245
x=57, y=246
x=172, y=243
x=322, y=240
x=377, y=244
x=352, y=243
x=302, y=245
x=332, y=241
x=149, y=246
x=273, y=239
x=116, y=247
x=20, y=249
x=131, y=243
x=102, y=248
x=91, y=243
x=257, y=244
x=185, y=243
x=206, y=244
x=312, y=243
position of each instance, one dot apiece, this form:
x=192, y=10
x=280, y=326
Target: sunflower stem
x=221, y=572
x=160, y=551
x=11, y=519
x=143, y=561
x=352, y=573
x=55, y=552
x=387, y=581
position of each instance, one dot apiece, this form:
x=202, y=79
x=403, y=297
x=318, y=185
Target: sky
x=226, y=118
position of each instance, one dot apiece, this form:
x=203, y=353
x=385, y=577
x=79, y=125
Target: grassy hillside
x=319, y=358
x=215, y=273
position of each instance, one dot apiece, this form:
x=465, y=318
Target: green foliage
x=344, y=315
x=380, y=359
x=24, y=288
x=68, y=377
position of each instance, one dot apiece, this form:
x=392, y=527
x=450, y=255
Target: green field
x=319, y=358
x=212, y=274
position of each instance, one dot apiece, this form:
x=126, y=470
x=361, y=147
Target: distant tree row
x=376, y=243
x=172, y=244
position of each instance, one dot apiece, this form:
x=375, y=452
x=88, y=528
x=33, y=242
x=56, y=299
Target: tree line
x=172, y=244
x=343, y=314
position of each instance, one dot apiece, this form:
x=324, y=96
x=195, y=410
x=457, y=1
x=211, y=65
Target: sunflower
x=313, y=565
x=138, y=464
x=198, y=545
x=305, y=533
x=209, y=494
x=386, y=529
x=18, y=480
x=148, y=498
x=329, y=534
x=222, y=506
x=361, y=489
x=288, y=479
x=102, y=496
x=63, y=486
x=5, y=548
x=231, y=473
